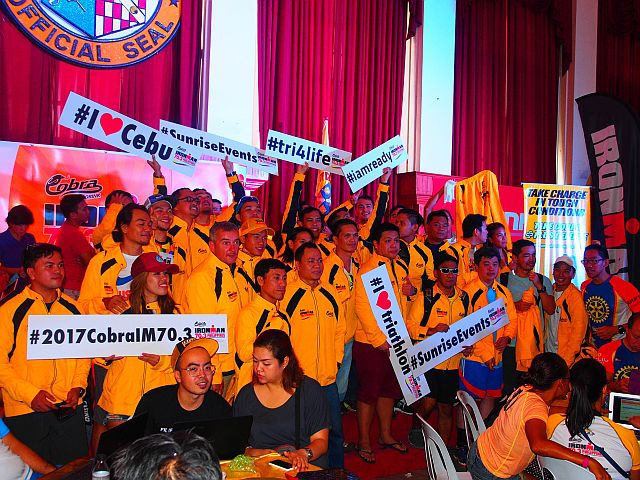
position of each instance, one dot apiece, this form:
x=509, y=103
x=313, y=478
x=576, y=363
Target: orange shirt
x=503, y=447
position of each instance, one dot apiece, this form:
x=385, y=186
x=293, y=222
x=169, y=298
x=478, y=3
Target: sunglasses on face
x=447, y=270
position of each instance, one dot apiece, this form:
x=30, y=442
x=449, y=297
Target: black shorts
x=443, y=384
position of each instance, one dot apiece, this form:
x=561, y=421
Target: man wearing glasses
x=609, y=299
x=191, y=399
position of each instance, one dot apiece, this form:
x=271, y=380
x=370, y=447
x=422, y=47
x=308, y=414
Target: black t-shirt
x=165, y=411
x=434, y=247
x=273, y=427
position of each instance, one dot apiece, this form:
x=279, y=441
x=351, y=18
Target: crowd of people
x=304, y=344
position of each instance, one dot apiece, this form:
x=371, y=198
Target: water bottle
x=100, y=469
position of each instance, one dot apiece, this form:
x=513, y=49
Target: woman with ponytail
x=508, y=446
x=584, y=428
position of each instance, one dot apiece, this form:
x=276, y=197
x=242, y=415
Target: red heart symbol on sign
x=110, y=124
x=383, y=301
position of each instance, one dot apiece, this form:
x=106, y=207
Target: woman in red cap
x=129, y=378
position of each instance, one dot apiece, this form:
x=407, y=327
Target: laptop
x=623, y=406
x=229, y=437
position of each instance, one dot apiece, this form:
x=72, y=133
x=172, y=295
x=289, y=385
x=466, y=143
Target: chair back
x=473, y=422
x=563, y=470
x=439, y=463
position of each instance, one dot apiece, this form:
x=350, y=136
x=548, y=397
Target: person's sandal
x=366, y=455
x=397, y=446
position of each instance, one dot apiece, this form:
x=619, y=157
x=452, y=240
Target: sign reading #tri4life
x=97, y=33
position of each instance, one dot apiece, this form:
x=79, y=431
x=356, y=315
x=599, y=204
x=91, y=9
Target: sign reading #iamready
x=102, y=123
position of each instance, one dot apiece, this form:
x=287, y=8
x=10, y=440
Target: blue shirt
x=11, y=250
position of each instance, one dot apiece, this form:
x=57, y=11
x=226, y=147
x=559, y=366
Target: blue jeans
x=336, y=437
x=342, y=379
x=477, y=469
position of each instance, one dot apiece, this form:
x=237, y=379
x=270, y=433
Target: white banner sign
x=90, y=336
x=365, y=169
x=219, y=147
x=387, y=312
x=465, y=332
x=102, y=123
x=301, y=151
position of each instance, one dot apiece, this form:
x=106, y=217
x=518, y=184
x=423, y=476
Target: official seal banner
x=387, y=312
x=97, y=33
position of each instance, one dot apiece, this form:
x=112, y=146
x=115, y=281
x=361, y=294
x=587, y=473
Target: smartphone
x=281, y=464
x=64, y=413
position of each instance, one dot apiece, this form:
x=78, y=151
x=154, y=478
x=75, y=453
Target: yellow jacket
x=246, y=278
x=379, y=209
x=336, y=275
x=439, y=309
x=22, y=379
x=367, y=330
x=484, y=350
x=446, y=247
x=100, y=279
x=101, y=236
x=415, y=256
x=572, y=325
x=257, y=316
x=212, y=288
x=317, y=329
x=530, y=333
x=129, y=378
x=463, y=252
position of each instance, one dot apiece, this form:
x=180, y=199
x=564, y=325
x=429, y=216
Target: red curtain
x=506, y=87
x=329, y=59
x=35, y=85
x=618, y=66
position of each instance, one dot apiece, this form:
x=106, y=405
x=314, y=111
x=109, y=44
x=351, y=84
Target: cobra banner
x=613, y=142
x=557, y=220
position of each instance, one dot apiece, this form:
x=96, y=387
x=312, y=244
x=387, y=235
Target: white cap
x=565, y=259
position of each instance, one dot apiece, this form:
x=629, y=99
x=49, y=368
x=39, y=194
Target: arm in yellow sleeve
x=164, y=365
x=82, y=373
x=159, y=186
x=245, y=335
x=365, y=316
x=569, y=346
x=341, y=328
x=91, y=293
x=379, y=209
x=511, y=329
x=484, y=349
x=107, y=224
x=416, y=313
x=10, y=382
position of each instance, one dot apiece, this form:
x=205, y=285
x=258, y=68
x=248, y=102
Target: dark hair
x=414, y=217
x=343, y=222
x=264, y=266
x=602, y=251
x=139, y=304
x=221, y=227
x=485, y=252
x=438, y=213
x=162, y=456
x=36, y=251
x=396, y=207
x=108, y=198
x=125, y=216
x=200, y=189
x=588, y=377
x=279, y=344
x=287, y=255
x=215, y=200
x=442, y=257
x=176, y=193
x=302, y=248
x=365, y=197
x=333, y=217
x=69, y=203
x=472, y=222
x=545, y=369
x=492, y=229
x=308, y=209
x=519, y=245
x=377, y=231
x=20, y=215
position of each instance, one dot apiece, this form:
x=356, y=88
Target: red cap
x=152, y=262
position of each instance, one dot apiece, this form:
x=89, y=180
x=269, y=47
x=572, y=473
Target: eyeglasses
x=189, y=199
x=194, y=370
x=447, y=270
x=591, y=261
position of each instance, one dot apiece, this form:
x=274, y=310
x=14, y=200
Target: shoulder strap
x=18, y=316
x=604, y=453
x=294, y=301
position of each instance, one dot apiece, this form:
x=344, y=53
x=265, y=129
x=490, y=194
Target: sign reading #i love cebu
x=97, y=33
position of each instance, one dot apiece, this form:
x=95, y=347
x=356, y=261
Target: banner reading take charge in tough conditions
x=387, y=312
x=90, y=336
x=463, y=333
x=557, y=220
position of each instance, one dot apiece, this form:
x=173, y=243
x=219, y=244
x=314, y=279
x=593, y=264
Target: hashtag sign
x=82, y=114
x=414, y=362
x=34, y=337
x=376, y=283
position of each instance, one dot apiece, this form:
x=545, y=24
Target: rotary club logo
x=97, y=33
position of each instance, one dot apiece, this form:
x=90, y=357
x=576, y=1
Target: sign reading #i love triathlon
x=102, y=123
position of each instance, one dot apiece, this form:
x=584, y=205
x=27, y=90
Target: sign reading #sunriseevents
x=97, y=33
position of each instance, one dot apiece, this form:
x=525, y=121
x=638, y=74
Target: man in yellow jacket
x=413, y=250
x=254, y=236
x=378, y=385
x=213, y=288
x=317, y=335
x=39, y=394
x=262, y=313
x=474, y=235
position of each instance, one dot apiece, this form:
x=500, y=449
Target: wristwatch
x=309, y=453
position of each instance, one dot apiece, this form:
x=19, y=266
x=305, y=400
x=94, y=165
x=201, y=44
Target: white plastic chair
x=562, y=469
x=473, y=422
x=439, y=463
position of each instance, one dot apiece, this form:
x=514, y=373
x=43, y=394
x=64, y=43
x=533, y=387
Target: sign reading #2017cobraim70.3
x=97, y=33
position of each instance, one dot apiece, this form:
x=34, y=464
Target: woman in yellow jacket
x=128, y=378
